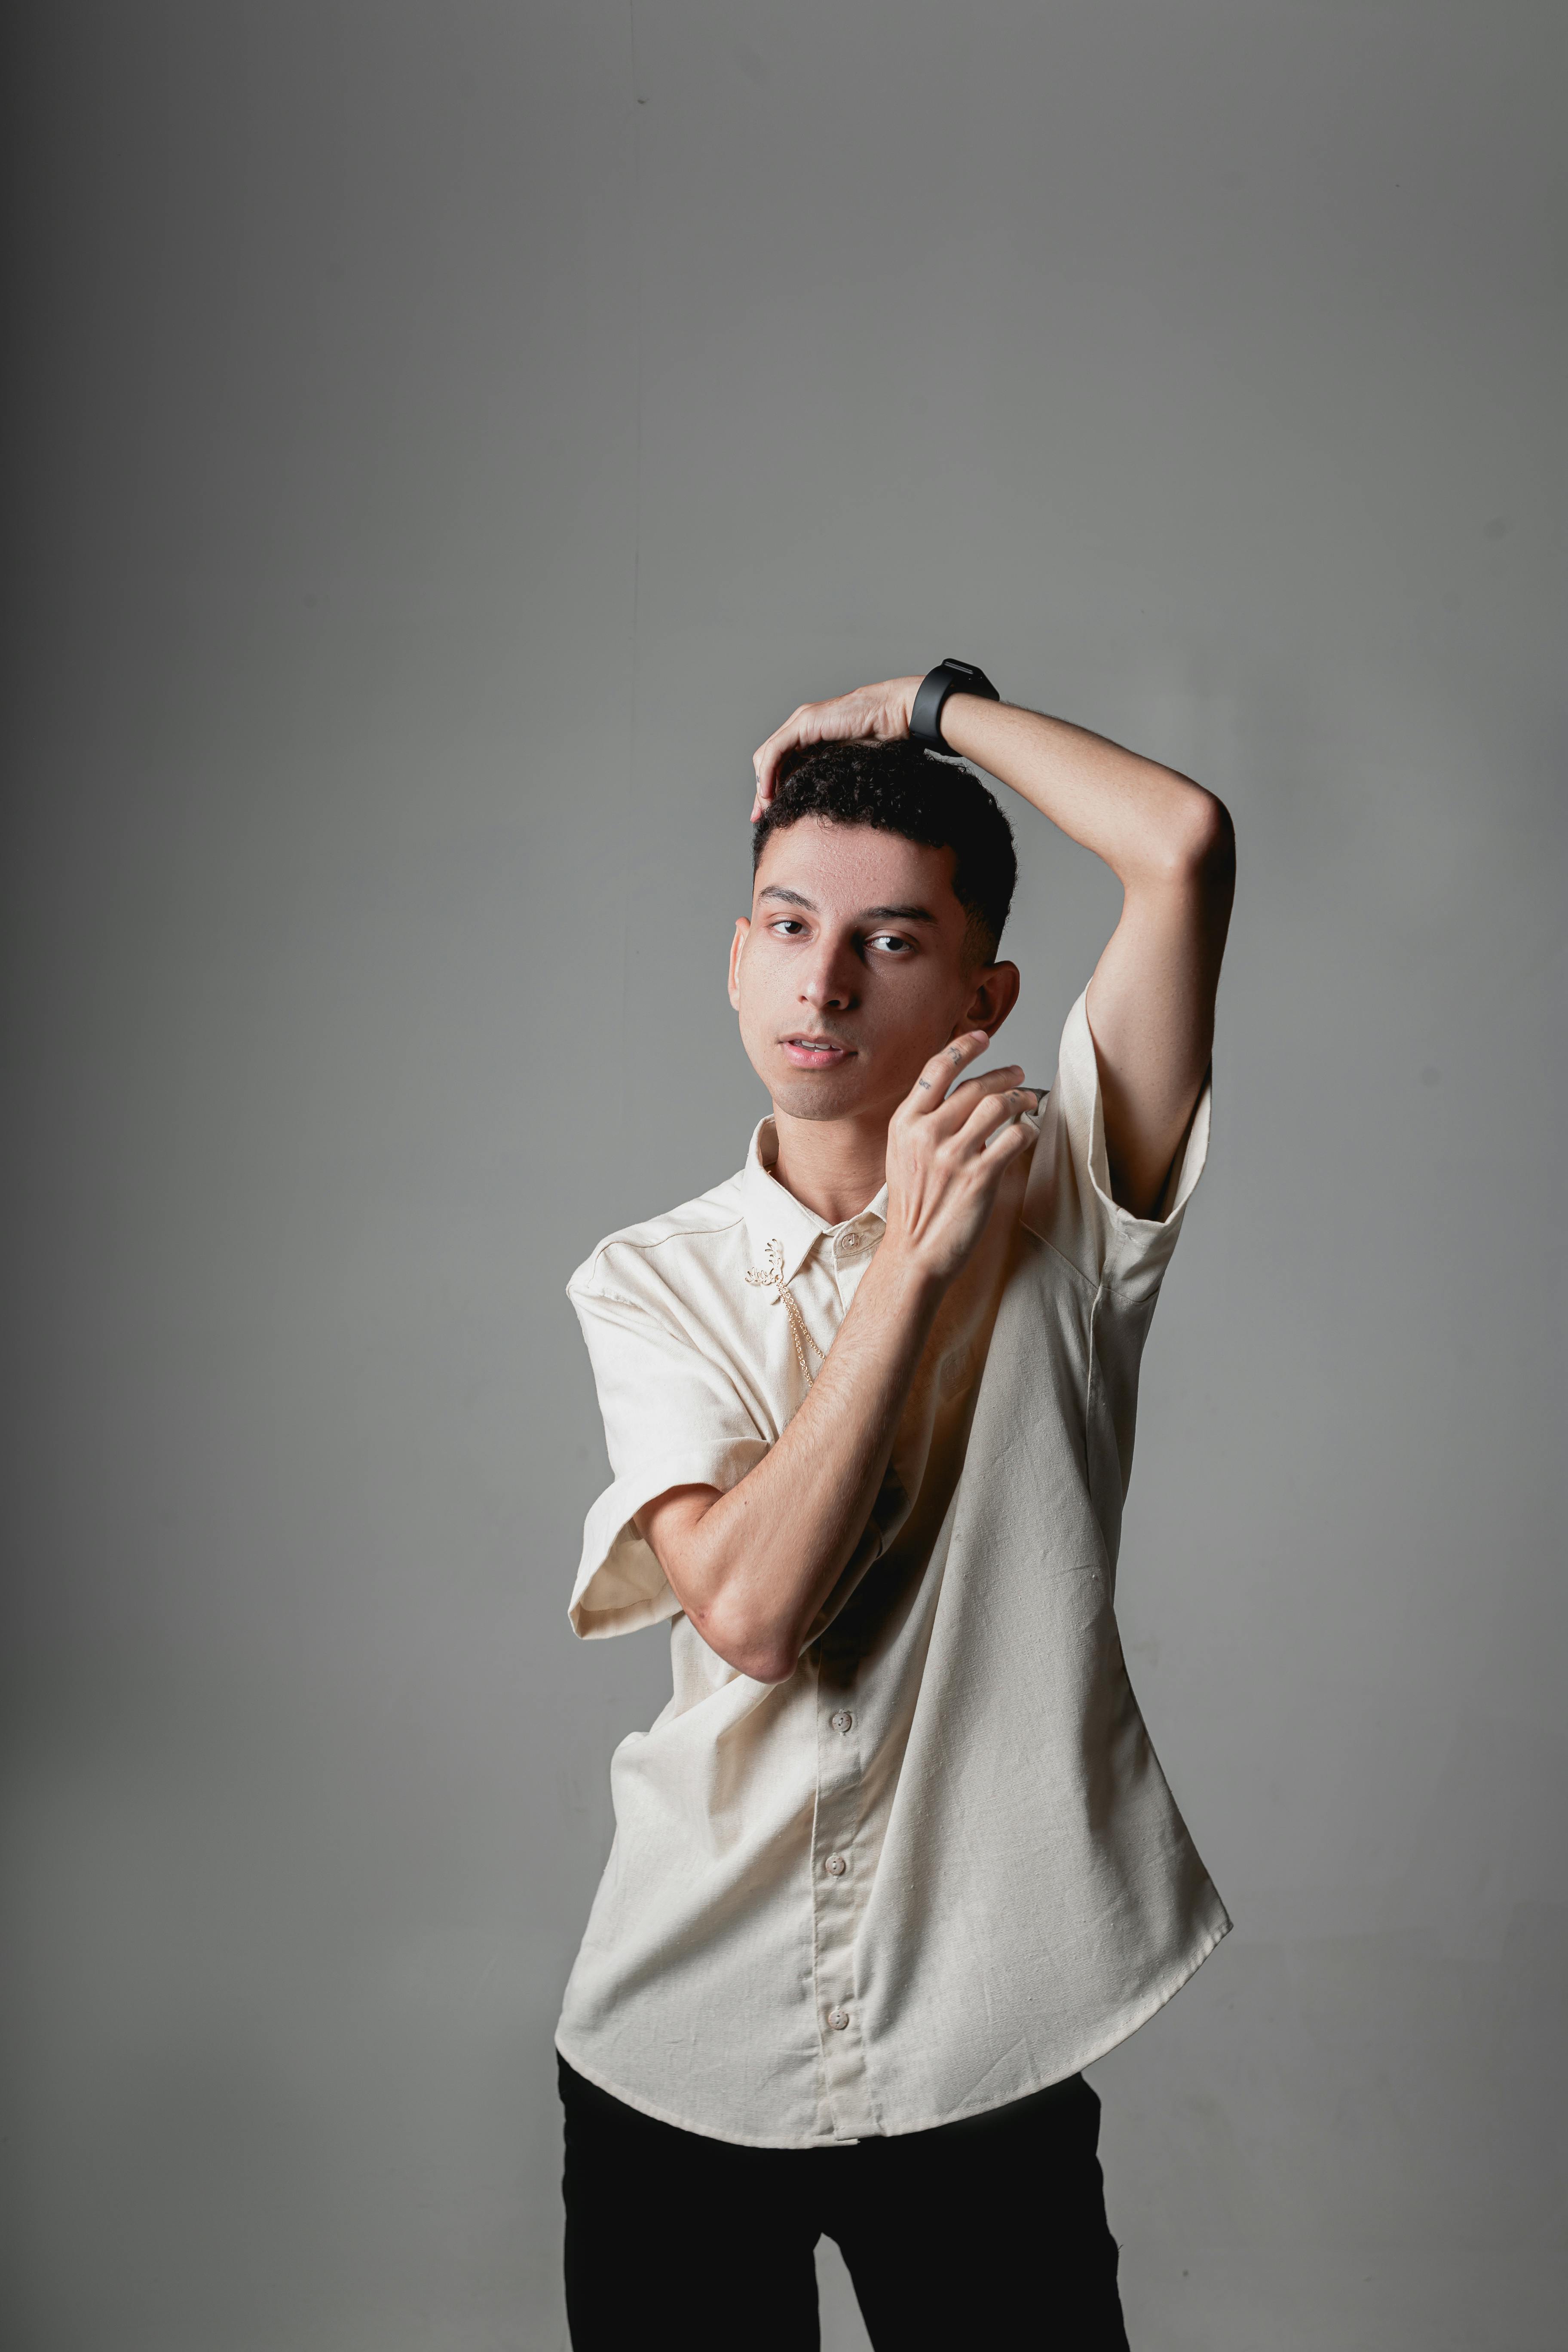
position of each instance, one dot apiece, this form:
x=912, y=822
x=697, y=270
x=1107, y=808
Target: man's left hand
x=880, y=712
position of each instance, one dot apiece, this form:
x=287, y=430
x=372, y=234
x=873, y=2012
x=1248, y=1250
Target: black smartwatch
x=948, y=678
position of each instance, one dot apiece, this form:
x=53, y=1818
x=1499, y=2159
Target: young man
x=897, y=1860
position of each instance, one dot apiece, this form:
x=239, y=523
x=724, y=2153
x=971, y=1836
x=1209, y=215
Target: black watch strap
x=949, y=676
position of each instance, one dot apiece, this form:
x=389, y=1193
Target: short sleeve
x=673, y=1417
x=1068, y=1200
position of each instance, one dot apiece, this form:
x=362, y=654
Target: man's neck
x=833, y=1167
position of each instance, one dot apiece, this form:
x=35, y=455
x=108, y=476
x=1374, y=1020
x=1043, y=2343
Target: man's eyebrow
x=866, y=914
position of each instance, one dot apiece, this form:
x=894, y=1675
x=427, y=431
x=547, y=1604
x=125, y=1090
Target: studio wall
x=446, y=441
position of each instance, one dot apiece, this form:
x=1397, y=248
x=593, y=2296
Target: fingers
x=974, y=1111
x=982, y=1103
x=930, y=1087
x=878, y=712
x=969, y=1091
x=948, y=1151
x=972, y=1095
x=997, y=1150
x=768, y=758
x=994, y=1113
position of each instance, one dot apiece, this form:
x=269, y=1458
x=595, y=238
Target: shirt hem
x=1127, y=2023
x=664, y=2116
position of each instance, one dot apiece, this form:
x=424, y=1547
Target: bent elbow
x=1205, y=845
x=765, y=1665
x=758, y=1651
x=1193, y=850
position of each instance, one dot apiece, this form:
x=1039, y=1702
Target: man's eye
x=788, y=923
x=890, y=939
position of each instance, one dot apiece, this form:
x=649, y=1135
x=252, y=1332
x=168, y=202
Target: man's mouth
x=811, y=1053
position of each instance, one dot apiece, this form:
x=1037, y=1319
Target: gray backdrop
x=447, y=439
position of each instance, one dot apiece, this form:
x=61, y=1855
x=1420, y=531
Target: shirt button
x=843, y=1720
x=838, y=2019
x=836, y=1865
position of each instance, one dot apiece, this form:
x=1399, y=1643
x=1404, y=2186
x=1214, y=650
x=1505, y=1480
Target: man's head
x=882, y=881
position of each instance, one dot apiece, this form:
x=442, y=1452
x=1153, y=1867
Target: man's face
x=852, y=969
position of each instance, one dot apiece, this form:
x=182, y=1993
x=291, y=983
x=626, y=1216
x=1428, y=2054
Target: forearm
x=752, y=1572
x=1150, y=823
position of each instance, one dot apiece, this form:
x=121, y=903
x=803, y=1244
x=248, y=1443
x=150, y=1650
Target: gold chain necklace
x=769, y=1275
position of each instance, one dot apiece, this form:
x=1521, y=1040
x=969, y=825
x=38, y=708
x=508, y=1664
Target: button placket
x=838, y=1898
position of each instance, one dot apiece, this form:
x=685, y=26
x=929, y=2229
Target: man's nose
x=830, y=978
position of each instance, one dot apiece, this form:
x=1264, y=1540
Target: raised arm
x=1170, y=843
x=1170, y=846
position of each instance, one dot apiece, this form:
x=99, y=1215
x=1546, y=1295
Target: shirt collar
x=773, y=1214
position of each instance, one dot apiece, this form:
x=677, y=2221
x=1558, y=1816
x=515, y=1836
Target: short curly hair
x=901, y=788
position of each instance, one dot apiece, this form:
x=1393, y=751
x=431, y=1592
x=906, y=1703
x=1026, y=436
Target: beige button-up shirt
x=940, y=1866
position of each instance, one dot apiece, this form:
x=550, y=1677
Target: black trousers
x=989, y=2230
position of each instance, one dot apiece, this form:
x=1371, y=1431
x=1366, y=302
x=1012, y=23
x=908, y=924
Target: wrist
x=937, y=689
x=906, y=1280
x=966, y=717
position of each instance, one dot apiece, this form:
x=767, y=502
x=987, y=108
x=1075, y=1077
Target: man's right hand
x=947, y=1154
x=753, y=1565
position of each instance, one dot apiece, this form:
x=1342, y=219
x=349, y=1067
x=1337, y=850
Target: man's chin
x=842, y=1093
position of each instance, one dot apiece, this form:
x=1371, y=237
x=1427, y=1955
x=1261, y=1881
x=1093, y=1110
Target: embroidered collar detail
x=770, y=1275
x=774, y=1217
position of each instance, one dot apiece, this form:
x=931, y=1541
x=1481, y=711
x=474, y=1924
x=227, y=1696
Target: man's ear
x=737, y=950
x=995, y=994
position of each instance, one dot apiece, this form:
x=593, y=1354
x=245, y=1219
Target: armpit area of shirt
x=1069, y=1202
